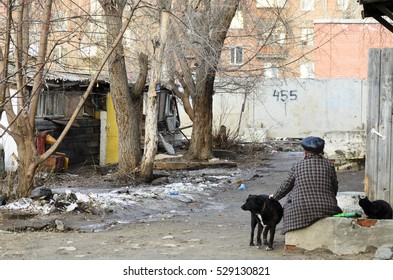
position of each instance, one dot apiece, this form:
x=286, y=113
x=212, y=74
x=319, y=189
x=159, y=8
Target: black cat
x=378, y=209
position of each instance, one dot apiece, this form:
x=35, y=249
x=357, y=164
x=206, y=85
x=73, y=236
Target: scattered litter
x=71, y=207
x=168, y=147
x=169, y=245
x=41, y=193
x=59, y=225
x=242, y=187
x=194, y=240
x=185, y=188
x=3, y=200
x=25, y=204
x=48, y=209
x=168, y=237
x=66, y=249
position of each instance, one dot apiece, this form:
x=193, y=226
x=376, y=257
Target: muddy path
x=204, y=221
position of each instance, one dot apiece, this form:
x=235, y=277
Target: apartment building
x=345, y=55
x=267, y=38
x=302, y=38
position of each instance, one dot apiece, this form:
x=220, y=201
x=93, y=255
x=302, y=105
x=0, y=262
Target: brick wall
x=344, y=45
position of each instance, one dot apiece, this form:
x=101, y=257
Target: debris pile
x=151, y=198
x=44, y=201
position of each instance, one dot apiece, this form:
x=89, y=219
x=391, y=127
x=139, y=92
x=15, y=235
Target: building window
x=127, y=38
x=236, y=55
x=59, y=53
x=270, y=32
x=51, y=104
x=237, y=21
x=34, y=42
x=307, y=70
x=59, y=21
x=87, y=47
x=342, y=5
x=270, y=3
x=307, y=37
x=307, y=5
x=271, y=70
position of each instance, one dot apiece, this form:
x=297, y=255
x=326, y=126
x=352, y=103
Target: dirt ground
x=209, y=225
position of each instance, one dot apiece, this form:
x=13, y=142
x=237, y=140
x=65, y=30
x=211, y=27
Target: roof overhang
x=378, y=9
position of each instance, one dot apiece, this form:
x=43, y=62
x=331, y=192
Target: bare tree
x=266, y=41
x=128, y=104
x=203, y=27
x=22, y=121
x=154, y=87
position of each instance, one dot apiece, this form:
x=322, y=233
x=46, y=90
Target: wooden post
x=379, y=154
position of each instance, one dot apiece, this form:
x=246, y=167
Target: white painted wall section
x=8, y=143
x=257, y=110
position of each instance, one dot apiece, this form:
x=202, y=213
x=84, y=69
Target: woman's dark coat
x=312, y=188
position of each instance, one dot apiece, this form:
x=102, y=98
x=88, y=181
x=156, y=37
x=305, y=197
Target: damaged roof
x=72, y=79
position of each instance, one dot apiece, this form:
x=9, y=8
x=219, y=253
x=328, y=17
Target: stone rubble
x=385, y=252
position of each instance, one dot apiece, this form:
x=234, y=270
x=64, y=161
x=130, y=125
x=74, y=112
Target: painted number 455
x=284, y=95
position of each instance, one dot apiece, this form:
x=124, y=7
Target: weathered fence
x=379, y=152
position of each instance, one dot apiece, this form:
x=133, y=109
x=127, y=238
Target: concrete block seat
x=341, y=235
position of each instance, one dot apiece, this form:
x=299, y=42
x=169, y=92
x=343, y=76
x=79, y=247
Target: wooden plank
x=371, y=167
x=379, y=154
x=387, y=87
x=383, y=187
x=191, y=165
x=384, y=128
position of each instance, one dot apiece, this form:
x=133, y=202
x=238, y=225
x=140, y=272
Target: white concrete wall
x=292, y=108
x=10, y=152
x=8, y=143
x=334, y=109
x=296, y=107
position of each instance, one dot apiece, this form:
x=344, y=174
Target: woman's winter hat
x=313, y=144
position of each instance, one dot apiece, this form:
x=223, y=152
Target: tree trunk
x=21, y=53
x=211, y=42
x=150, y=147
x=41, y=61
x=184, y=97
x=201, y=145
x=22, y=126
x=127, y=104
x=154, y=88
x=27, y=166
x=2, y=85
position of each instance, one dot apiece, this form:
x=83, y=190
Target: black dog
x=378, y=209
x=265, y=212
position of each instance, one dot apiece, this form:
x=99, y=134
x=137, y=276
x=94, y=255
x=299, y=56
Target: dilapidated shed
x=57, y=103
x=61, y=93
